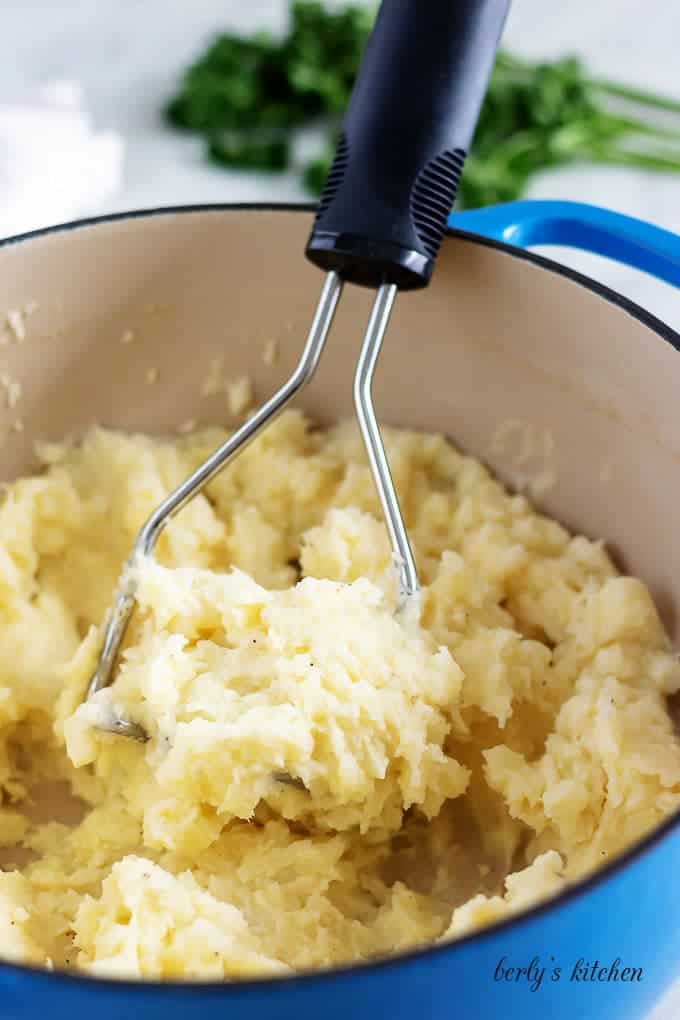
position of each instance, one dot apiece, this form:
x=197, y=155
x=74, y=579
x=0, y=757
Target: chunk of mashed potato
x=324, y=779
x=315, y=701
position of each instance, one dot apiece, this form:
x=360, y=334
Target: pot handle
x=575, y=225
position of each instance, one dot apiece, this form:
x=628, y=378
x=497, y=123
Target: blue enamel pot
x=502, y=333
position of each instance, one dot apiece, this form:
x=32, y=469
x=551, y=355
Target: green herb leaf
x=248, y=96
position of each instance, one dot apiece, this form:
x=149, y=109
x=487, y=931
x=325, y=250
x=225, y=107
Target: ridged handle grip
x=407, y=130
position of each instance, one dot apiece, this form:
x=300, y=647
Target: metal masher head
x=406, y=576
x=379, y=224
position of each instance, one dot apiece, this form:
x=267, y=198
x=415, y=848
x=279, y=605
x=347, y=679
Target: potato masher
x=379, y=224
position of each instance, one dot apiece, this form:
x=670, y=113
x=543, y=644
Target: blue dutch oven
x=501, y=333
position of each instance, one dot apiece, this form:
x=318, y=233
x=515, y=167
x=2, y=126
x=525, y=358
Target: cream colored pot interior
x=554, y=387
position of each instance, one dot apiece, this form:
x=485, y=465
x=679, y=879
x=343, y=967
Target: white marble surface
x=128, y=53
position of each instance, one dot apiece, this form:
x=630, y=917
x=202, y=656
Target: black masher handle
x=405, y=136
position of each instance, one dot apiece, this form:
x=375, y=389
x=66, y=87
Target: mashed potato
x=324, y=781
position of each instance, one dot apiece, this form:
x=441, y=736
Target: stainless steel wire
x=370, y=431
x=125, y=597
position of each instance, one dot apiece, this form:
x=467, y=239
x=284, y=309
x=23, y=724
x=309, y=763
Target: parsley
x=248, y=96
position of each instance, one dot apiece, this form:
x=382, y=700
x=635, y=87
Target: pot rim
x=509, y=924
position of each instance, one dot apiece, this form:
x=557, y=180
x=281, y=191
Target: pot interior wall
x=558, y=390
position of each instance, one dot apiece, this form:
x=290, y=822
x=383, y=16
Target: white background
x=127, y=54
